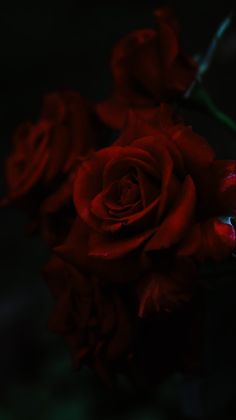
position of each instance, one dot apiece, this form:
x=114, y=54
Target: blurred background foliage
x=46, y=47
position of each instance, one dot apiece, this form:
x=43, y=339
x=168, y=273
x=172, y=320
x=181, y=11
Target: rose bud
x=148, y=67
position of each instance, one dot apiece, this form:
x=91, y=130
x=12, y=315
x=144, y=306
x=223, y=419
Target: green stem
x=200, y=99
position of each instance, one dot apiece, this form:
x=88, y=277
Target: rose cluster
x=128, y=220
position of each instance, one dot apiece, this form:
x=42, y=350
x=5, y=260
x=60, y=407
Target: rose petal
x=60, y=197
x=126, y=51
x=196, y=152
x=168, y=43
x=157, y=148
x=76, y=250
x=217, y=188
x=182, y=73
x=165, y=15
x=112, y=112
x=99, y=172
x=135, y=127
x=21, y=180
x=149, y=188
x=212, y=239
x=53, y=108
x=109, y=248
x=169, y=288
x=89, y=182
x=177, y=222
x=59, y=149
x=130, y=157
x=161, y=123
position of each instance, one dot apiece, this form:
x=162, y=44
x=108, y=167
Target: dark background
x=46, y=47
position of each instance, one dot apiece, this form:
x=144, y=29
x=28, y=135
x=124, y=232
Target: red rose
x=148, y=67
x=100, y=325
x=39, y=170
x=140, y=202
x=92, y=316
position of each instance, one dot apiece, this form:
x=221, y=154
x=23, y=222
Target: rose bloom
x=93, y=317
x=149, y=208
x=148, y=67
x=156, y=195
x=99, y=322
x=39, y=169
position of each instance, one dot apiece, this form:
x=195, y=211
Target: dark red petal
x=98, y=207
x=158, y=150
x=177, y=222
x=109, y=248
x=60, y=197
x=135, y=127
x=182, y=73
x=165, y=15
x=83, y=137
x=127, y=158
x=76, y=251
x=145, y=68
x=138, y=220
x=196, y=152
x=112, y=199
x=217, y=187
x=61, y=276
x=112, y=112
x=126, y=48
x=59, y=148
x=167, y=289
x=149, y=188
x=53, y=108
x=89, y=181
x=104, y=168
x=213, y=239
x=21, y=180
x=161, y=123
x=167, y=43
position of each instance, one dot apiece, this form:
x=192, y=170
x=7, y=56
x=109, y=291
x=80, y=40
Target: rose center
x=128, y=190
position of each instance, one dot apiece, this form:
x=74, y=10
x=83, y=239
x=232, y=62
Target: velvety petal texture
x=217, y=188
x=90, y=315
x=148, y=67
x=213, y=239
x=167, y=287
x=44, y=156
x=130, y=200
x=141, y=195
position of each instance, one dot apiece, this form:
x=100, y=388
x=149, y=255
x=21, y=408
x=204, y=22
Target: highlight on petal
x=214, y=239
x=217, y=186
